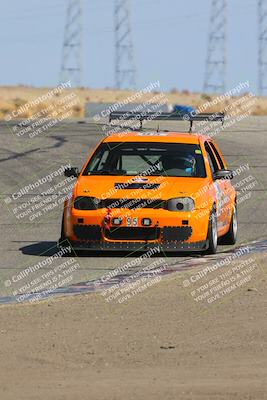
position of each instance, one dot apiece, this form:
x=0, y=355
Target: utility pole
x=262, y=56
x=71, y=67
x=215, y=73
x=125, y=71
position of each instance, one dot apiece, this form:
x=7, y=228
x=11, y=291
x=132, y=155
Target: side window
x=212, y=160
x=222, y=166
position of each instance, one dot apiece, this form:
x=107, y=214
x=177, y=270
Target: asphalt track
x=26, y=242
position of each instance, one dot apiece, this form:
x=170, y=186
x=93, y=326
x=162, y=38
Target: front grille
x=132, y=233
x=87, y=232
x=176, y=233
x=133, y=203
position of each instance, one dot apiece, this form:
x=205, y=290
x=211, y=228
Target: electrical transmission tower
x=125, y=72
x=262, y=10
x=216, y=59
x=71, y=67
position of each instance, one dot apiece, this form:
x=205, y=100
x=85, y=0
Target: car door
x=219, y=187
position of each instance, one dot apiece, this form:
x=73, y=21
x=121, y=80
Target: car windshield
x=133, y=158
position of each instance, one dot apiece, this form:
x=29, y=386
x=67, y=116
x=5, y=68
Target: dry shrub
x=78, y=111
x=4, y=110
x=18, y=102
x=206, y=97
x=260, y=110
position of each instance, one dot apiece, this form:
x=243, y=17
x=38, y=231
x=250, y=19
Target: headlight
x=86, y=203
x=181, y=204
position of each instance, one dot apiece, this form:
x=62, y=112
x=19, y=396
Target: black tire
x=62, y=233
x=212, y=234
x=231, y=236
x=63, y=241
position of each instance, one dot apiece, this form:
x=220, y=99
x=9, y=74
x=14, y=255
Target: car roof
x=161, y=137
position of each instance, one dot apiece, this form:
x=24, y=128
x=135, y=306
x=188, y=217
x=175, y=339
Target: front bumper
x=172, y=231
x=134, y=246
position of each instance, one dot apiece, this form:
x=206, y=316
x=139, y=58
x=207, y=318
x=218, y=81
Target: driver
x=176, y=164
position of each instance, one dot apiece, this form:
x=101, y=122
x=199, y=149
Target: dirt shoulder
x=159, y=345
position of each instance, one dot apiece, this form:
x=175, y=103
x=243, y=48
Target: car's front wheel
x=212, y=233
x=62, y=233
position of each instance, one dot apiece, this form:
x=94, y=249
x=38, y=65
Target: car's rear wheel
x=212, y=233
x=231, y=236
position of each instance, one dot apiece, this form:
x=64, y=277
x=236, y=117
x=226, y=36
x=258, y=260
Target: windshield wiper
x=156, y=173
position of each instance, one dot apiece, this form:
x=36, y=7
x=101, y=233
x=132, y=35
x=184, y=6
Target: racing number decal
x=223, y=201
x=135, y=221
x=132, y=221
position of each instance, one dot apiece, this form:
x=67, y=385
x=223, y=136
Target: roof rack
x=167, y=116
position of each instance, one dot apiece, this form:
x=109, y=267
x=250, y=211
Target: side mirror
x=223, y=174
x=72, y=171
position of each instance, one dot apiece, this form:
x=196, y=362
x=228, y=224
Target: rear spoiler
x=167, y=116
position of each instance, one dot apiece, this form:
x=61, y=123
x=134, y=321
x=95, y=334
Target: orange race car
x=141, y=189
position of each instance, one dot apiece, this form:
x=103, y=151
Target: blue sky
x=170, y=40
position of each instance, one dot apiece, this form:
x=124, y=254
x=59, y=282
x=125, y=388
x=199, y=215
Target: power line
x=71, y=67
x=262, y=55
x=215, y=73
x=125, y=71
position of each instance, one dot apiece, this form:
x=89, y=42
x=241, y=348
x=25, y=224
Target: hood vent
x=136, y=185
